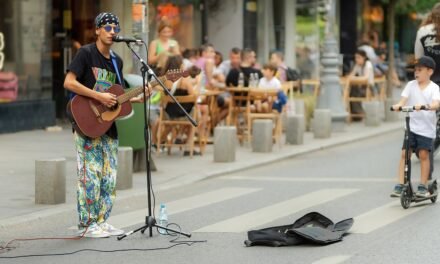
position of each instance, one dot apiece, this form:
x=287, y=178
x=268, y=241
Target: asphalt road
x=352, y=180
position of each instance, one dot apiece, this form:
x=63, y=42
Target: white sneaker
x=93, y=231
x=113, y=231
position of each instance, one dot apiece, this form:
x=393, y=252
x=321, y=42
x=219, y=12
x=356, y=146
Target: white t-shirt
x=274, y=83
x=366, y=71
x=422, y=122
x=225, y=67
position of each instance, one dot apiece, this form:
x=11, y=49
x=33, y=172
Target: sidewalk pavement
x=20, y=150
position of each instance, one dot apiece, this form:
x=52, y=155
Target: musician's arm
x=72, y=84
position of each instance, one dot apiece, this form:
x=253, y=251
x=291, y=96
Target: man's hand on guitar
x=107, y=99
x=140, y=98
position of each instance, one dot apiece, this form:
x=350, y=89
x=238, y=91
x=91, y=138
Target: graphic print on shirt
x=104, y=79
x=429, y=42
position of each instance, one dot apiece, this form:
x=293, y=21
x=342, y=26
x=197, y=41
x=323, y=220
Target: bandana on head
x=106, y=18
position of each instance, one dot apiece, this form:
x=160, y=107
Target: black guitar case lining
x=312, y=228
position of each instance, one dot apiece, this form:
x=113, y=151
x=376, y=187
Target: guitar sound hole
x=114, y=107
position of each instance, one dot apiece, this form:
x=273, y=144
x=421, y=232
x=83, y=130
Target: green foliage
x=407, y=6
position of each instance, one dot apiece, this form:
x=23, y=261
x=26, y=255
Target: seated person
x=195, y=77
x=246, y=67
x=362, y=70
x=190, y=57
x=181, y=87
x=269, y=81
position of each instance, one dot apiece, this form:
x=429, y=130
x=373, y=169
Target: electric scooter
x=408, y=194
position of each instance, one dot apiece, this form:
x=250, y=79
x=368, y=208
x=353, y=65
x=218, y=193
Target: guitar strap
x=115, y=65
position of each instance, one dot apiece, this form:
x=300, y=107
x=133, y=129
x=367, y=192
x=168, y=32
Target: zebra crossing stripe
x=270, y=213
x=381, y=216
x=306, y=179
x=182, y=205
x=332, y=259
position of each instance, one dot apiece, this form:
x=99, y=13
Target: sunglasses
x=109, y=28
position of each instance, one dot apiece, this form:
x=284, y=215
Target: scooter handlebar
x=408, y=108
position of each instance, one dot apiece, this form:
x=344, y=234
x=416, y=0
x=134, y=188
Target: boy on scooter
x=419, y=92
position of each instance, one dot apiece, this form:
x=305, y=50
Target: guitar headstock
x=174, y=75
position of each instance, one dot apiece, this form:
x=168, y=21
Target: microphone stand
x=150, y=222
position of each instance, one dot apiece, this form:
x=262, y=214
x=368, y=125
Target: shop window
x=180, y=16
x=25, y=26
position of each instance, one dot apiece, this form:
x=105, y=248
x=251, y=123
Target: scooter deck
x=417, y=199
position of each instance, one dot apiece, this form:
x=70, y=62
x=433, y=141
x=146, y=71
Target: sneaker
x=178, y=141
x=422, y=191
x=155, y=149
x=113, y=231
x=397, y=190
x=93, y=231
x=195, y=153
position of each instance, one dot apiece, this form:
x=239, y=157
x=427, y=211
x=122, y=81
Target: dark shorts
x=221, y=98
x=418, y=142
x=154, y=115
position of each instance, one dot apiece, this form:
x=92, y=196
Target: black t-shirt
x=426, y=44
x=173, y=110
x=232, y=78
x=96, y=72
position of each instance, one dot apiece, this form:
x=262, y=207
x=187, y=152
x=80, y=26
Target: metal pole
x=140, y=29
x=330, y=96
x=204, y=11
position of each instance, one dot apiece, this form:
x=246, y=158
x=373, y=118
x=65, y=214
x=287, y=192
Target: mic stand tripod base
x=149, y=223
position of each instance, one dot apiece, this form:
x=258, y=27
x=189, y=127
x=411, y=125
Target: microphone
x=126, y=39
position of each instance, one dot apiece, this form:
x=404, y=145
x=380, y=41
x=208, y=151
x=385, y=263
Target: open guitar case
x=312, y=228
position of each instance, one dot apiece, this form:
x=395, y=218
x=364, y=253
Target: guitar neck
x=137, y=91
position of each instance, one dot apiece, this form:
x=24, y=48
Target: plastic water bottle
x=241, y=80
x=163, y=218
x=251, y=81
x=256, y=80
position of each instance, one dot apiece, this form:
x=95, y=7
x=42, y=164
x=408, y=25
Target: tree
x=402, y=7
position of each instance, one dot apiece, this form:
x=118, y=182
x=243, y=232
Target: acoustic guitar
x=91, y=118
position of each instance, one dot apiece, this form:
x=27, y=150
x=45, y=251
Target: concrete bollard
x=262, y=135
x=390, y=116
x=124, y=177
x=295, y=128
x=140, y=163
x=300, y=107
x=284, y=120
x=322, y=123
x=372, y=111
x=225, y=140
x=50, y=181
x=381, y=110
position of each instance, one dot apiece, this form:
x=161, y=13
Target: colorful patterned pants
x=97, y=165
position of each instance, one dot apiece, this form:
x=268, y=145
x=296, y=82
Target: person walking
x=427, y=43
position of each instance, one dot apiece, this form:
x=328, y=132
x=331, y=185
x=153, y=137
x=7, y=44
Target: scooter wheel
x=405, y=199
x=433, y=189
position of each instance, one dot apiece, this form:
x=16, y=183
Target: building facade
x=38, y=39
